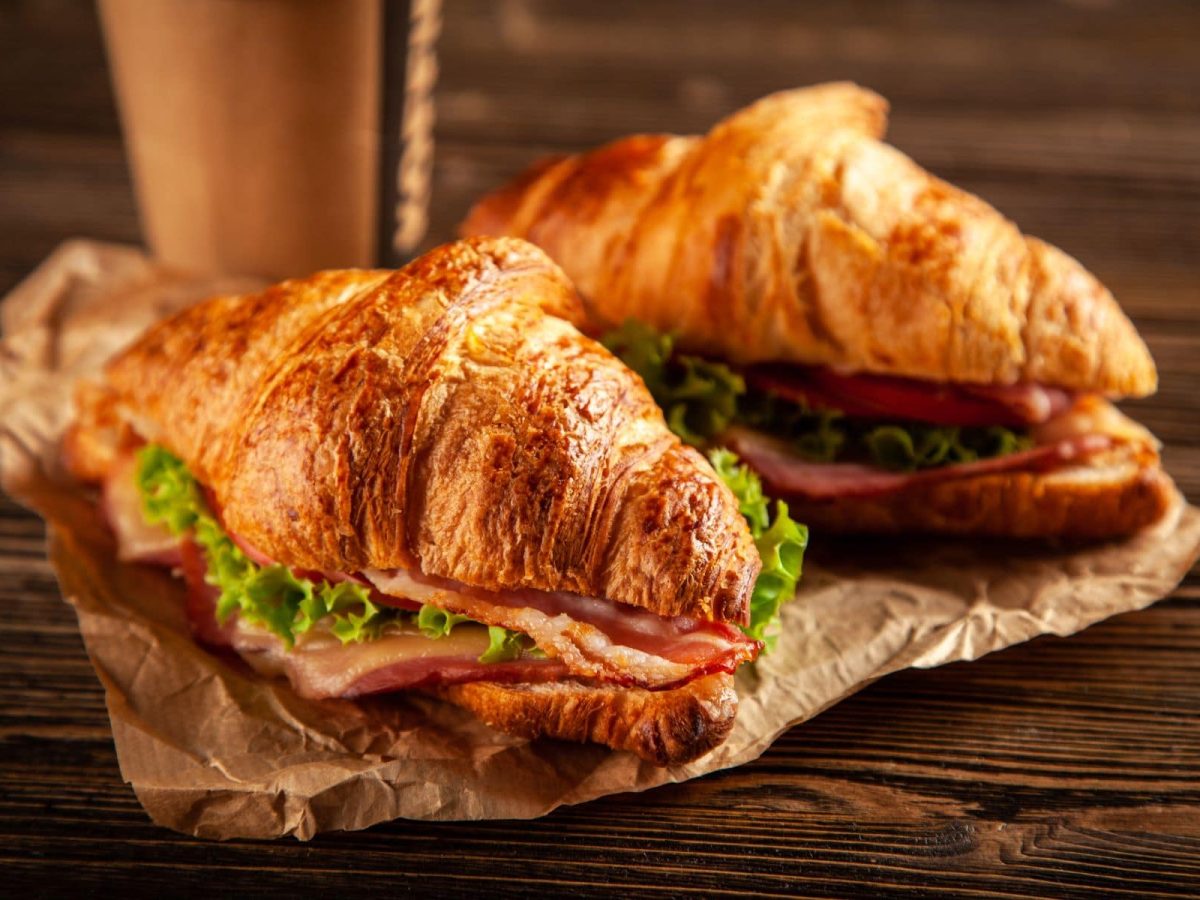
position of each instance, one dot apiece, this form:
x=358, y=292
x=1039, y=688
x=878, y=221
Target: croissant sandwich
x=888, y=352
x=429, y=479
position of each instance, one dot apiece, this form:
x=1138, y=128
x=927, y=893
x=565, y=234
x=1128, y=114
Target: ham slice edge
x=785, y=473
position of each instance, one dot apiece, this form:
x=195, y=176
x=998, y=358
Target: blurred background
x=1080, y=120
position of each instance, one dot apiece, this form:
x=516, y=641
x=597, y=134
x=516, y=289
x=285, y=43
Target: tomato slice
x=885, y=397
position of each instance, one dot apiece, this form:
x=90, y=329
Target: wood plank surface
x=1063, y=767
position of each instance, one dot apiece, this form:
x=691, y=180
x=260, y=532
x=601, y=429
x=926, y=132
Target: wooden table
x=1061, y=767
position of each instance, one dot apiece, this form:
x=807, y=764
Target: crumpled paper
x=212, y=749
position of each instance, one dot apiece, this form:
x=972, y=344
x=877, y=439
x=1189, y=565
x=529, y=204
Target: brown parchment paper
x=215, y=751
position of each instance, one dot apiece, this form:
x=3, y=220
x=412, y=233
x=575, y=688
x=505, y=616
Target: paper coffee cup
x=276, y=137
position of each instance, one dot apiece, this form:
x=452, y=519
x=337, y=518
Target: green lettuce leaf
x=437, y=623
x=907, y=449
x=504, y=645
x=170, y=496
x=699, y=398
x=817, y=435
x=782, y=549
x=270, y=596
x=341, y=600
x=781, y=543
x=914, y=446
x=273, y=596
x=746, y=487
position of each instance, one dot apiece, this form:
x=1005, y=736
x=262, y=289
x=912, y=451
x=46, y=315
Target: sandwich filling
x=814, y=434
x=344, y=634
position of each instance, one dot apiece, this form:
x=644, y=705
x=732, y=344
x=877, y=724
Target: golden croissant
x=429, y=479
x=891, y=325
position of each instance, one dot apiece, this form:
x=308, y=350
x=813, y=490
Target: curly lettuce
x=817, y=435
x=273, y=596
x=701, y=398
x=914, y=447
x=781, y=543
x=504, y=644
x=698, y=397
x=270, y=596
x=436, y=623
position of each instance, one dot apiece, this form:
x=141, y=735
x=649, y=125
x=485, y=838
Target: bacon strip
x=786, y=474
x=907, y=399
x=597, y=639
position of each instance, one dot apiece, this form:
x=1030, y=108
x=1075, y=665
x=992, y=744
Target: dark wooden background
x=1058, y=768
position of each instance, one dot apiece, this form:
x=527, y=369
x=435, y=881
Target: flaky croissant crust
x=790, y=232
x=664, y=727
x=447, y=417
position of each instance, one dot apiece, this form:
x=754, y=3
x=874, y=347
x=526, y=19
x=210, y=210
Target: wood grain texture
x=1060, y=768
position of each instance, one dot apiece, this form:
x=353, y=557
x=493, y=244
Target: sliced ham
x=321, y=666
x=786, y=474
x=596, y=639
x=907, y=399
